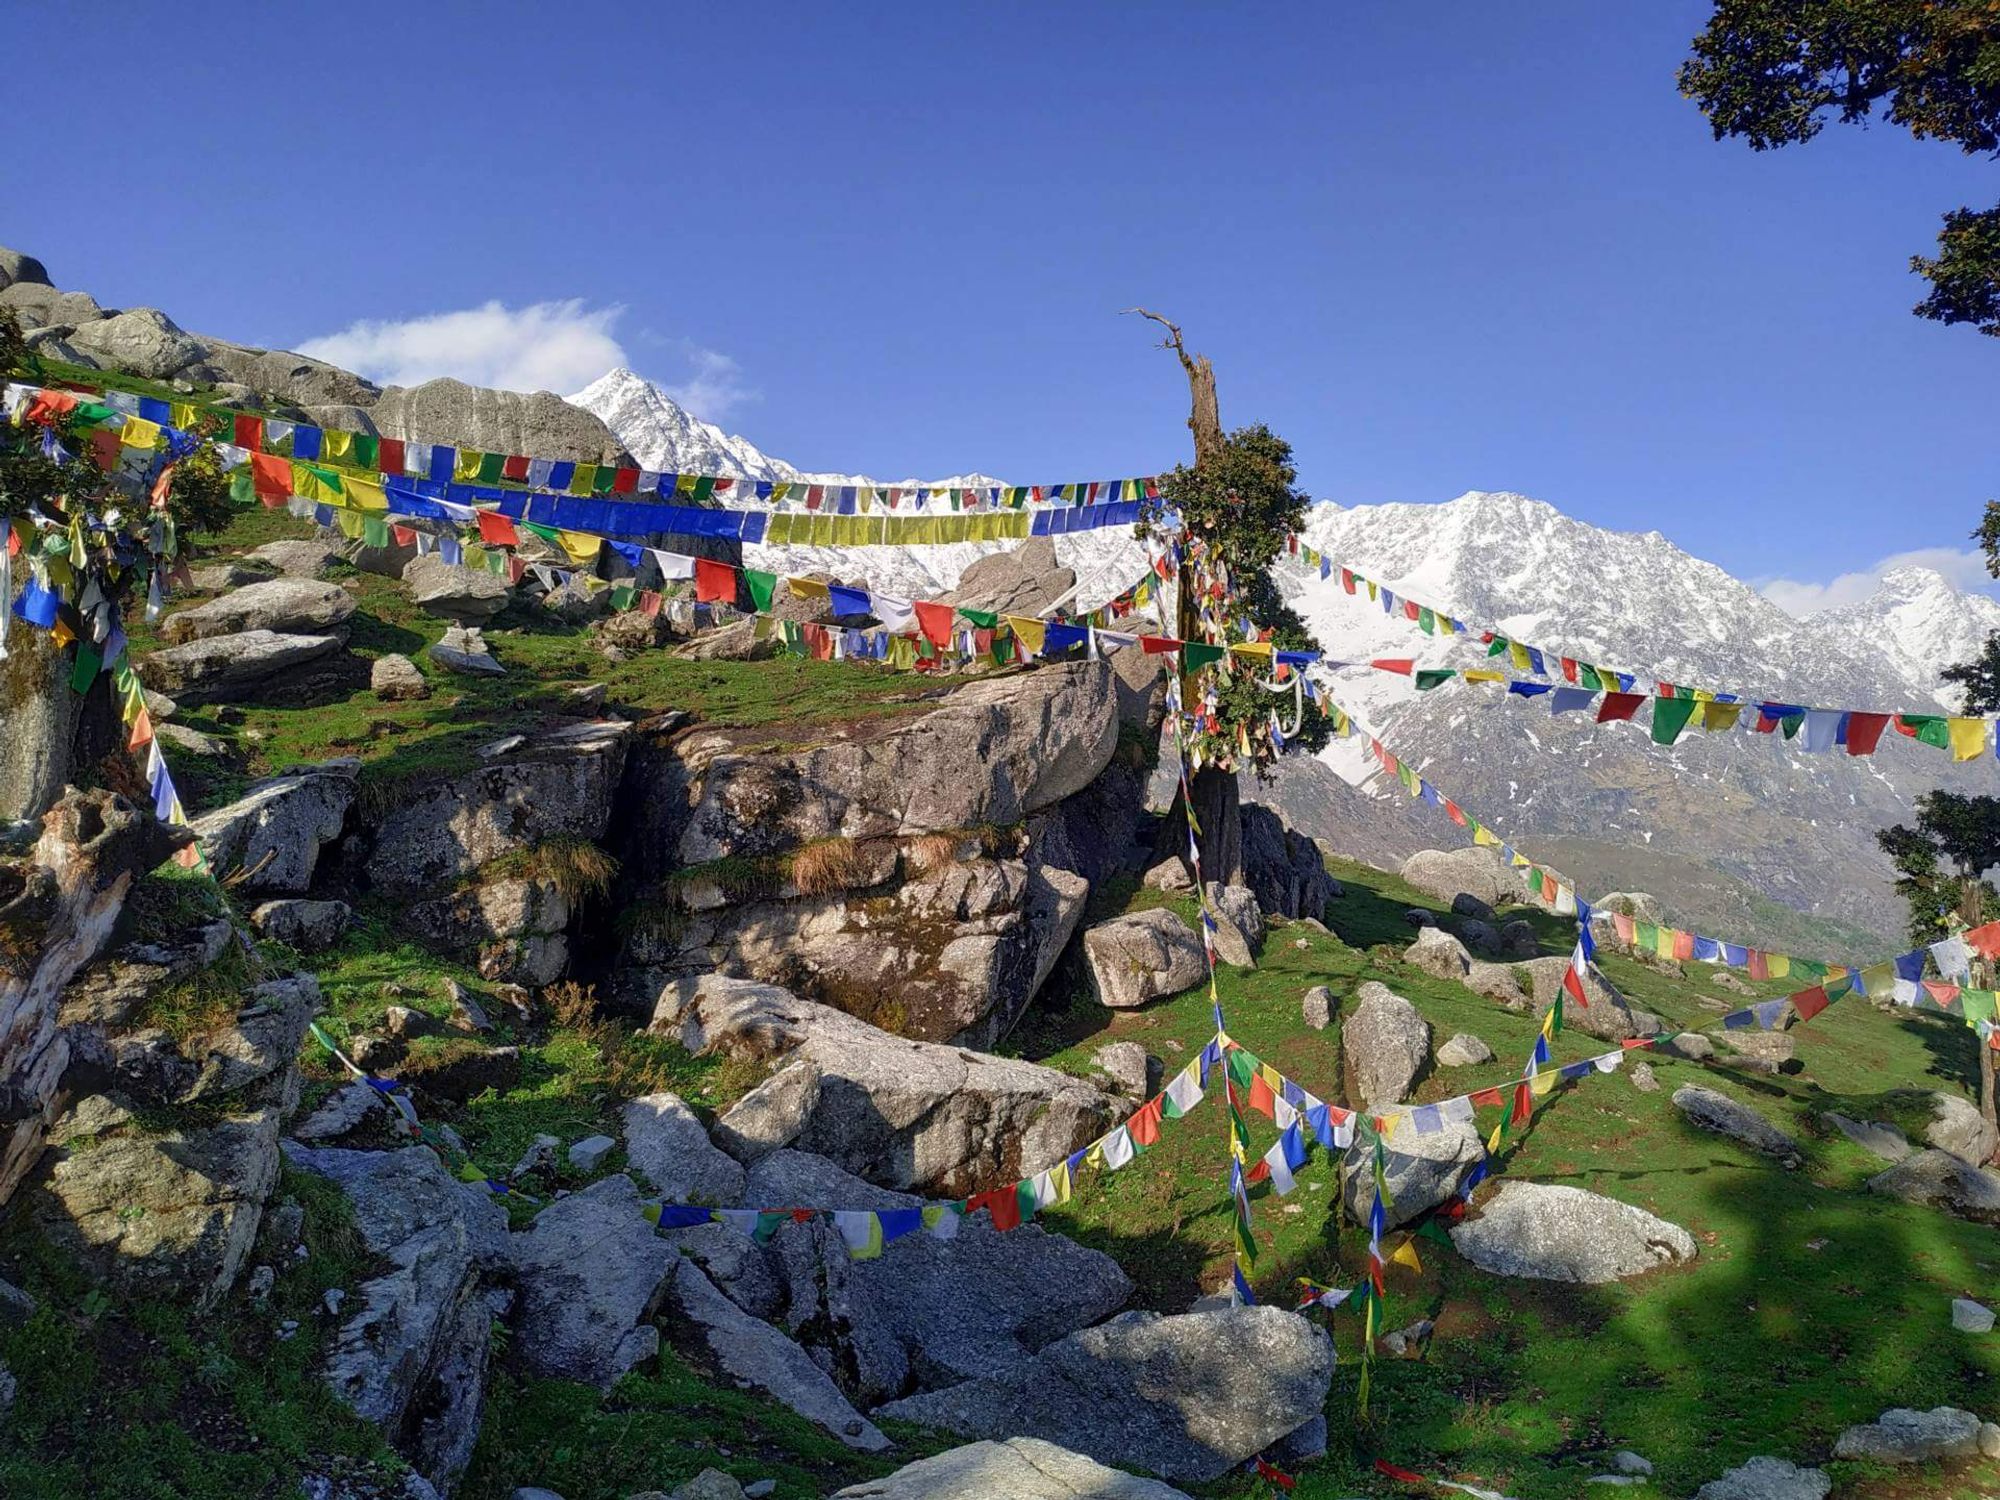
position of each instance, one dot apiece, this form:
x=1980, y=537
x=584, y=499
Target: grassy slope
x=1811, y=1306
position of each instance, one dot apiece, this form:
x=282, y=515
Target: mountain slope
x=1921, y=621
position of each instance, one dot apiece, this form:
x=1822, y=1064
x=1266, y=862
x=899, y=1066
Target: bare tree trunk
x=1982, y=978
x=38, y=723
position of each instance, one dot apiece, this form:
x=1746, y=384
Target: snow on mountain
x=1921, y=621
x=658, y=432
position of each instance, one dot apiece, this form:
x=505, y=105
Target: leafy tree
x=1773, y=72
x=1237, y=504
x=1940, y=863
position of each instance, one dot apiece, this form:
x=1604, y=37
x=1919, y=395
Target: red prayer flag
x=515, y=467
x=714, y=582
x=1261, y=1098
x=1683, y=945
x=1276, y=1476
x=105, y=447
x=1259, y=1173
x=1383, y=1466
x=1453, y=811
x=1158, y=645
x=405, y=536
x=624, y=481
x=1004, y=1204
x=516, y=569
x=271, y=477
x=1347, y=579
x=1619, y=706
x=935, y=621
x=1524, y=1103
x=249, y=432
x=1144, y=1127
x=1569, y=668
x=496, y=530
x=1985, y=941
x=1410, y=609
x=1488, y=1099
x=1402, y=664
x=1760, y=964
x=649, y=603
x=389, y=455
x=1863, y=731
x=1809, y=1003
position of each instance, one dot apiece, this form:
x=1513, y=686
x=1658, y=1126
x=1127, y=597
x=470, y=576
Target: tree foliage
x=1955, y=839
x=1773, y=72
x=1981, y=677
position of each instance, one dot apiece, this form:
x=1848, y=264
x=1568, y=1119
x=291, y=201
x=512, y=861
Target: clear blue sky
x=1439, y=248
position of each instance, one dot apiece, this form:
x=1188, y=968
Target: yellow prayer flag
x=1480, y=674
x=1521, y=861
x=183, y=414
x=1518, y=654
x=466, y=468
x=807, y=588
x=1406, y=1255
x=1544, y=1083
x=350, y=522
x=364, y=494
x=1716, y=717
x=581, y=546
x=1252, y=648
x=1485, y=837
x=1663, y=942
x=1778, y=964
x=1968, y=738
x=1373, y=593
x=1059, y=1180
x=1031, y=632
x=582, y=482
x=1879, y=979
x=336, y=445
x=139, y=433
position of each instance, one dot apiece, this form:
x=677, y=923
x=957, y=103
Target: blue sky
x=1439, y=248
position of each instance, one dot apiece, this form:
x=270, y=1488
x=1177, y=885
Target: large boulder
x=1239, y=924
x=1958, y=1127
x=1443, y=874
x=668, y=1147
x=1194, y=1395
x=558, y=784
x=1941, y=1180
x=467, y=595
x=274, y=831
x=910, y=1115
x=992, y=753
x=1386, y=1044
x=591, y=1271
x=1284, y=868
x=144, y=342
x=1021, y=581
x=1607, y=1017
x=446, y=410
x=1767, y=1479
x=161, y=1207
x=410, y=1352
x=258, y=1040
x=296, y=559
x=297, y=606
x=1142, y=956
x=1553, y=1233
x=1708, y=1110
x=463, y=649
x=514, y=927
x=1902, y=1436
x=750, y=1352
x=232, y=668
x=308, y=926
x=1017, y=1469
x=1422, y=1171
x=1437, y=953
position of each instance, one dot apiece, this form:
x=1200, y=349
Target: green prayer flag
x=1242, y=1067
x=367, y=451
x=623, y=595
x=1670, y=716
x=704, y=489
x=242, y=490
x=1499, y=645
x=1432, y=677
x=375, y=532
x=1791, y=723
x=1931, y=729
x=982, y=619
x=1587, y=677
x=601, y=482
x=548, y=534
x=763, y=588
x=1195, y=655
x=1426, y=621
x=491, y=467
x=88, y=661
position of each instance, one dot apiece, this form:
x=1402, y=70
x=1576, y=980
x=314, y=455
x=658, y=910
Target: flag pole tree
x=1237, y=506
x=1940, y=865
x=66, y=496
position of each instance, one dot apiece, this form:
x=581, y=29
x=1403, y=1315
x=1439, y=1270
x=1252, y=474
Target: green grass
x=1811, y=1307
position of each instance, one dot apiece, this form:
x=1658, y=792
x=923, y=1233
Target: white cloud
x=714, y=386
x=1966, y=569
x=545, y=346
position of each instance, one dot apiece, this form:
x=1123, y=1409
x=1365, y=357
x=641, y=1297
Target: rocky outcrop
x=1017, y=1469
x=153, y=1065
x=514, y=927
x=1437, y=953
x=497, y=421
x=1386, y=1044
x=668, y=1147
x=591, y=1272
x=1023, y=580
x=291, y=606
x=1553, y=1233
x=1958, y=1127
x=1767, y=1479
x=1708, y=1110
x=411, y=1349
x=1142, y=956
x=308, y=926
x=1284, y=869
x=558, y=784
x=295, y=559
x=232, y=668
x=910, y=1115
x=462, y=649
x=1239, y=924
x=1443, y=874
x=1195, y=1395
x=1902, y=1436
x=273, y=834
x=1940, y=1180
x=455, y=593
x=1421, y=1171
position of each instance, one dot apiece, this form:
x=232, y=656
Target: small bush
x=828, y=866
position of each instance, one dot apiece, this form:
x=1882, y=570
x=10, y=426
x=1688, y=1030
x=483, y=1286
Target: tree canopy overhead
x=1773, y=72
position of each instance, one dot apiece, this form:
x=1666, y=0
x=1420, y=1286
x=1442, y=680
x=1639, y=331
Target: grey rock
x=1989, y=1439
x=1625, y=1461
x=1903, y=1436
x=588, y=1154
x=1519, y=940
x=411, y=1355
x=1763, y=1051
x=1408, y=1342
x=17, y=267
x=1420, y=916
x=1958, y=1127
x=1553, y=1233
x=913, y=1115
x=1708, y=1110
x=193, y=742
x=232, y=668
x=559, y=785
x=1437, y=953
x=1465, y=904
x=394, y=678
x=231, y=573
x=533, y=1492
x=261, y=1039
x=496, y=421
x=297, y=606
x=753, y=1353
x=462, y=649
x=1128, y=1067
x=1886, y=1141
x=308, y=926
x=159, y=706
x=1722, y=979
x=1463, y=1050
x=1444, y=874
x=667, y=1145
x=143, y=341
x=713, y=1484
x=275, y=831
x=591, y=1271
x=1500, y=983
x=1690, y=1046
x=1643, y=1078
x=1637, y=905
x=1968, y=1316
x=1142, y=956
x=757, y=1490
x=1481, y=938
x=1422, y=1171
x=1023, y=580
x=513, y=926
x=16, y=1305
x=1283, y=868
x=1767, y=1479
x=470, y=596
x=1017, y=1469
x=1239, y=924
x=1387, y=1044
x=341, y=1113
x=1941, y=1180
x=1317, y=1008
x=296, y=559
x=1196, y=1394
x=1170, y=874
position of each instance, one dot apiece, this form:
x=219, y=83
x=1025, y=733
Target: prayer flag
x=714, y=582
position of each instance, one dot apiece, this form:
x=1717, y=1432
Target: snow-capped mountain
x=1743, y=835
